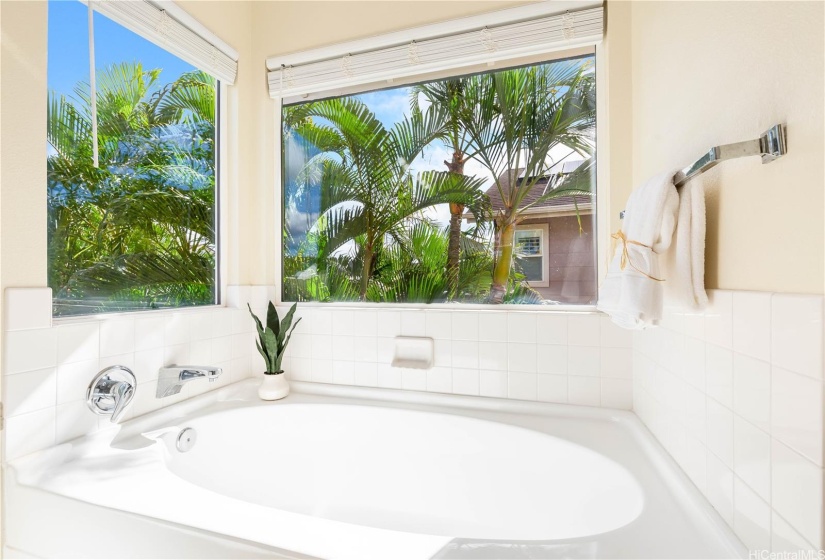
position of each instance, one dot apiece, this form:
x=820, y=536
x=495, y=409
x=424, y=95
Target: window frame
x=544, y=236
x=601, y=207
x=222, y=230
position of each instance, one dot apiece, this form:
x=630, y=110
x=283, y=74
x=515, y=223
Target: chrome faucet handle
x=111, y=392
x=122, y=393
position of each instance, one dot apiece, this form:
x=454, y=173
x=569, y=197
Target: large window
x=137, y=231
x=418, y=193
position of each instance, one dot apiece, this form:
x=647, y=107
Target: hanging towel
x=632, y=293
x=684, y=263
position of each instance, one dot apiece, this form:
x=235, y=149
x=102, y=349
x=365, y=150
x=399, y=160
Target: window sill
x=57, y=321
x=560, y=308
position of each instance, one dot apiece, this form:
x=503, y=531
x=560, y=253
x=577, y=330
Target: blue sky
x=69, y=47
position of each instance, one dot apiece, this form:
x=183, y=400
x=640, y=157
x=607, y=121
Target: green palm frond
x=138, y=230
x=190, y=98
x=66, y=128
x=442, y=187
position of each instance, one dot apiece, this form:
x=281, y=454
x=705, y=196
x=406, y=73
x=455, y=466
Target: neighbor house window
x=444, y=191
x=137, y=231
x=531, y=247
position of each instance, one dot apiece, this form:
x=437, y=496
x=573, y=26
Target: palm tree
x=519, y=117
x=140, y=227
x=455, y=99
x=369, y=196
x=414, y=271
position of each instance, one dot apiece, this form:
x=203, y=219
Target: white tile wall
x=28, y=308
x=577, y=358
x=47, y=368
x=736, y=395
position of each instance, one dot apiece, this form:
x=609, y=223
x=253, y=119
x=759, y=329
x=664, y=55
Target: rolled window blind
x=155, y=24
x=488, y=44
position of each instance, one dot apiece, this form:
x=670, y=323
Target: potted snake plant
x=272, y=341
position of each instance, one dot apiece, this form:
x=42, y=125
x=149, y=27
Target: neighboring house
x=557, y=257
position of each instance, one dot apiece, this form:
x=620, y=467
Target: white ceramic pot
x=274, y=387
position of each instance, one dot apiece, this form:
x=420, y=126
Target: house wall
x=570, y=261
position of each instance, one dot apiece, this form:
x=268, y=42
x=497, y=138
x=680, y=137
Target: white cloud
x=389, y=106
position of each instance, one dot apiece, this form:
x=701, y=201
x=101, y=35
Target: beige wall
x=706, y=73
x=615, y=125
x=283, y=27
x=23, y=144
x=669, y=96
x=22, y=149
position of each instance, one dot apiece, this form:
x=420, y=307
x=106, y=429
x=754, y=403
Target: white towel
x=684, y=263
x=632, y=293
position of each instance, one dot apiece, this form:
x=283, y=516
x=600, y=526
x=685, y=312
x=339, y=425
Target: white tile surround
x=735, y=394
x=551, y=357
x=47, y=368
x=576, y=358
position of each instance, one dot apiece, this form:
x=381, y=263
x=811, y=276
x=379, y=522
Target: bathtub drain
x=186, y=439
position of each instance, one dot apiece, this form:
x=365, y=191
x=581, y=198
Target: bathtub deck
x=126, y=472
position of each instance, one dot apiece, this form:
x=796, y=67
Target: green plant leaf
x=285, y=325
x=257, y=321
x=261, y=350
x=272, y=320
x=286, y=342
x=270, y=346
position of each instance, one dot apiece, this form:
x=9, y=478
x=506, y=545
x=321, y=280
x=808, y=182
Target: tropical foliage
x=457, y=99
x=364, y=211
x=369, y=200
x=137, y=231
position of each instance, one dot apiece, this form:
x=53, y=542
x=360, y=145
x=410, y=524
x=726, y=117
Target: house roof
x=549, y=206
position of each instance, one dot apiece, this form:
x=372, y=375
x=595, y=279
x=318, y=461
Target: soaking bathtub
x=358, y=473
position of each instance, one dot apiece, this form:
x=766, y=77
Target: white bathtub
x=336, y=472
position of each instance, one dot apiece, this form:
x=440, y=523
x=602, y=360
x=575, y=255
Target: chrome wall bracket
x=770, y=146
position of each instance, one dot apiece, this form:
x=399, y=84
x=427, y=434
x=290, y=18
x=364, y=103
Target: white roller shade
x=160, y=26
x=490, y=43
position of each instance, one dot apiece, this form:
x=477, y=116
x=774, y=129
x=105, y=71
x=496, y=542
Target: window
x=137, y=231
x=416, y=193
x=530, y=255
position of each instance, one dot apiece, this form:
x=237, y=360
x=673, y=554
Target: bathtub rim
x=694, y=504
